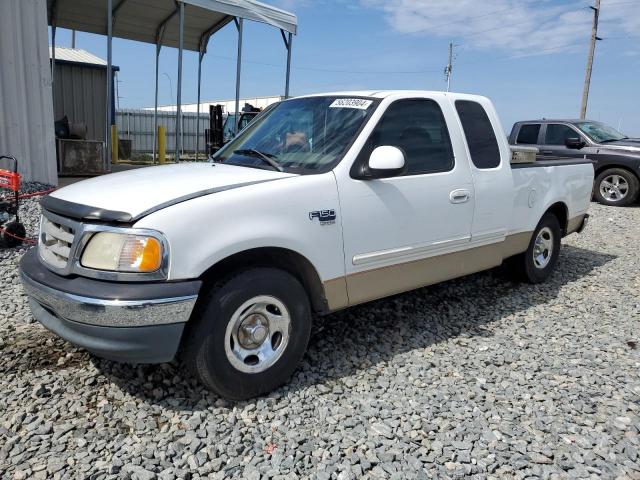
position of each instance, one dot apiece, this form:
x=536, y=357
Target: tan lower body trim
x=515, y=244
x=335, y=291
x=382, y=282
x=574, y=224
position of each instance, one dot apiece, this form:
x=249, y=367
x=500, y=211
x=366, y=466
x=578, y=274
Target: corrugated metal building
x=80, y=90
x=26, y=110
x=137, y=126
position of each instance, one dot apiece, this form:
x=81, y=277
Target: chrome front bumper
x=134, y=322
x=110, y=313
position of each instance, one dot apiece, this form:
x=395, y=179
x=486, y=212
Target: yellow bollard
x=114, y=144
x=162, y=145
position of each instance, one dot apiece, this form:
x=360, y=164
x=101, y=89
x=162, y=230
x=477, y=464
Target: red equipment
x=11, y=234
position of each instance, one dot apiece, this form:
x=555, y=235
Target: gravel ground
x=477, y=377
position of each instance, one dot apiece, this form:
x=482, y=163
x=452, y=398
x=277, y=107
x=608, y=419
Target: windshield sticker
x=359, y=103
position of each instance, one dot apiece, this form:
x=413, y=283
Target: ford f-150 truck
x=616, y=157
x=323, y=202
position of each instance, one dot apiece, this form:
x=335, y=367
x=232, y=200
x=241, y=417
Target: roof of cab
x=554, y=120
x=384, y=93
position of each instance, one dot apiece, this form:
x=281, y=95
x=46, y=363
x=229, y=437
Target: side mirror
x=385, y=161
x=574, y=143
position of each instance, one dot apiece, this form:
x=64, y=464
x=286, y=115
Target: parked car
x=616, y=157
x=321, y=203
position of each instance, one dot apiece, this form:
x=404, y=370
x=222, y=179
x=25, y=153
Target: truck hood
x=628, y=144
x=128, y=196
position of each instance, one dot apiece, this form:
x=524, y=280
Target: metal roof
x=142, y=20
x=76, y=55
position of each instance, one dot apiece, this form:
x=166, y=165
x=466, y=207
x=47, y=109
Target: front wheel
x=616, y=187
x=249, y=334
x=537, y=263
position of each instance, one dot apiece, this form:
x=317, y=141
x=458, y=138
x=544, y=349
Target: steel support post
x=179, y=95
x=155, y=105
x=109, y=79
x=286, y=85
x=200, y=57
x=238, y=71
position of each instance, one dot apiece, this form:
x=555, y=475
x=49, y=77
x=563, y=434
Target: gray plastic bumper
x=137, y=323
x=153, y=344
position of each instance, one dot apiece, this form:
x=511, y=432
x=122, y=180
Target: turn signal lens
x=140, y=254
x=122, y=253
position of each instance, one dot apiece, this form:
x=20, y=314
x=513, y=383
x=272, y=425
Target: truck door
x=554, y=137
x=399, y=231
x=491, y=172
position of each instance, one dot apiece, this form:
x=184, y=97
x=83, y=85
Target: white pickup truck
x=324, y=202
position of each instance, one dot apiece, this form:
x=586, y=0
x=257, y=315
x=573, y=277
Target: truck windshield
x=599, y=132
x=302, y=135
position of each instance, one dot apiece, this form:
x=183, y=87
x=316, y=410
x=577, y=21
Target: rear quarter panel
x=538, y=188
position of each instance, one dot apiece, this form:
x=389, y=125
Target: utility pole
x=449, y=67
x=73, y=39
x=592, y=49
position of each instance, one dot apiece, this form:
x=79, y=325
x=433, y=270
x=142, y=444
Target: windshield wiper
x=266, y=157
x=612, y=140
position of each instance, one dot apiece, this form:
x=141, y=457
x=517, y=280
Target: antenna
x=449, y=68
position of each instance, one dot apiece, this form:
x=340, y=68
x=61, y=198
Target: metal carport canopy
x=167, y=23
x=140, y=19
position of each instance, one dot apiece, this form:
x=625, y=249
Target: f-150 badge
x=325, y=217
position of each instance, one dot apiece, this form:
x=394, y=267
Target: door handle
x=460, y=196
x=547, y=152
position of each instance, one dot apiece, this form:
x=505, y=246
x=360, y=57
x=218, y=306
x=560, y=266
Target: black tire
x=630, y=195
x=206, y=339
x=524, y=267
x=12, y=235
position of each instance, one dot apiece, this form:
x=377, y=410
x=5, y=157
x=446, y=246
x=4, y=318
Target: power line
x=636, y=2
x=463, y=20
x=316, y=69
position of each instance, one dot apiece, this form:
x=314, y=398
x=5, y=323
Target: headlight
x=122, y=252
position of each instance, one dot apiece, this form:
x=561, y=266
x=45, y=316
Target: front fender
x=203, y=231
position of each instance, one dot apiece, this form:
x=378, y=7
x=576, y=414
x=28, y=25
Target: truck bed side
x=544, y=183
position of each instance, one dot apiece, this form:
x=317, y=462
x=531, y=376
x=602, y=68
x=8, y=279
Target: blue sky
x=528, y=56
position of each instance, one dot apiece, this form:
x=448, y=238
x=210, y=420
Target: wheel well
x=561, y=212
x=621, y=167
x=273, y=257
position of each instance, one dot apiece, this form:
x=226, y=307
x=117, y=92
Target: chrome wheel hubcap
x=543, y=248
x=614, y=188
x=257, y=334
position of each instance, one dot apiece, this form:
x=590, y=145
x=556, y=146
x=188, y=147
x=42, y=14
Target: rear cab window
x=478, y=131
x=528, y=134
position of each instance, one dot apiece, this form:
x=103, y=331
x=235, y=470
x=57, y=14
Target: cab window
x=417, y=127
x=557, y=134
x=528, y=134
x=478, y=131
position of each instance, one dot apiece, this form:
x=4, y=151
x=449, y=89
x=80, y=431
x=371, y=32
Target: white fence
x=137, y=126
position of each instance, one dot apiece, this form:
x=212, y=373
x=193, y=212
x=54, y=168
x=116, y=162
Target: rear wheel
x=538, y=262
x=249, y=334
x=616, y=187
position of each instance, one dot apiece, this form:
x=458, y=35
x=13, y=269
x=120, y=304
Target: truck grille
x=56, y=241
